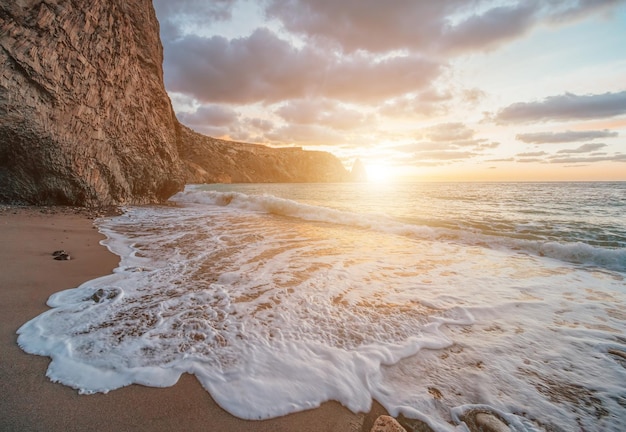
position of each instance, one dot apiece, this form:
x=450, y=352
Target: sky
x=446, y=90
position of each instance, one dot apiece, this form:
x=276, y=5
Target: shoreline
x=31, y=402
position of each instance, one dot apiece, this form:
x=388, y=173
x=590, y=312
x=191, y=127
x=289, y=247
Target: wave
x=571, y=252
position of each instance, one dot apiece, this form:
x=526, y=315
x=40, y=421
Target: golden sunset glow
x=436, y=99
x=377, y=173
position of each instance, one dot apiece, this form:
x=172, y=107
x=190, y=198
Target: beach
x=31, y=402
x=245, y=307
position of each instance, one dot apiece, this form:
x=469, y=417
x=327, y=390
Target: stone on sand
x=386, y=423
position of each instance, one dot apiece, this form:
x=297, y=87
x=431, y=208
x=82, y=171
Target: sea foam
x=574, y=252
x=277, y=306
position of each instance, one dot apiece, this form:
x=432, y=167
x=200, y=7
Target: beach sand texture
x=31, y=402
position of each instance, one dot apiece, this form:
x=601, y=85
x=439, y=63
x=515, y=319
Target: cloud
x=434, y=158
x=323, y=112
x=588, y=159
x=473, y=96
x=260, y=124
x=564, y=137
x=445, y=137
x=488, y=145
x=200, y=9
x=446, y=143
x=502, y=160
x=359, y=79
x=425, y=146
x=565, y=107
x=425, y=26
x=491, y=28
x=261, y=67
x=265, y=68
x=585, y=148
x=562, y=156
x=363, y=24
x=305, y=111
x=305, y=134
x=445, y=155
x=529, y=160
x=175, y=15
x=532, y=154
x=448, y=132
x=428, y=102
x=209, y=115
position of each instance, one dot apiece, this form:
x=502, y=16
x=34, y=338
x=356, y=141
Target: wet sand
x=31, y=402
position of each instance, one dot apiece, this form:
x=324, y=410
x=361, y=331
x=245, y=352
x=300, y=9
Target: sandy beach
x=31, y=402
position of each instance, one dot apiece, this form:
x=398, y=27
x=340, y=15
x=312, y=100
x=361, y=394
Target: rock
x=481, y=421
x=61, y=256
x=102, y=294
x=211, y=160
x=487, y=422
x=358, y=172
x=386, y=423
x=84, y=116
x=413, y=425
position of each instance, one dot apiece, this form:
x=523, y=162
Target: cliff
x=84, y=116
x=211, y=160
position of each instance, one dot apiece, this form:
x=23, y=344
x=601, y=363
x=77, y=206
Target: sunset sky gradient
x=428, y=90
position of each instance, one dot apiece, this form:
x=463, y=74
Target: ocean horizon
x=435, y=299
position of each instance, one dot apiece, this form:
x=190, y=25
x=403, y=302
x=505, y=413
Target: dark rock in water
x=61, y=255
x=98, y=295
x=84, y=116
x=413, y=425
x=101, y=294
x=482, y=421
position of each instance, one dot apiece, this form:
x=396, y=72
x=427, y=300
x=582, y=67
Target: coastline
x=31, y=402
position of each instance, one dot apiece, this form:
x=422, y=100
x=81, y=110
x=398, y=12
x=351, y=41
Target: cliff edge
x=212, y=160
x=84, y=116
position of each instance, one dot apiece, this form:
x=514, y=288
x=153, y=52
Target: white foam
x=573, y=252
x=277, y=314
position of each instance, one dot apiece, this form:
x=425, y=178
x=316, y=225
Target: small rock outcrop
x=211, y=160
x=84, y=116
x=358, y=172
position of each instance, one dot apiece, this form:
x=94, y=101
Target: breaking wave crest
x=575, y=252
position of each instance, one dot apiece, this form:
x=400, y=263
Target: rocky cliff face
x=84, y=116
x=211, y=160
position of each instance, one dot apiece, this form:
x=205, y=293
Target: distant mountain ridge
x=212, y=160
x=85, y=118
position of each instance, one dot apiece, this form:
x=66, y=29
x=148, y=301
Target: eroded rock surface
x=84, y=116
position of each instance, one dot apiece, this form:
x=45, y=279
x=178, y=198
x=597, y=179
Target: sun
x=379, y=173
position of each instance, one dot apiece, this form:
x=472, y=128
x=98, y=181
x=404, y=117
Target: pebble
x=61, y=255
x=485, y=422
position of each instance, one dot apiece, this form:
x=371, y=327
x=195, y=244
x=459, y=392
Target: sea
x=437, y=300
